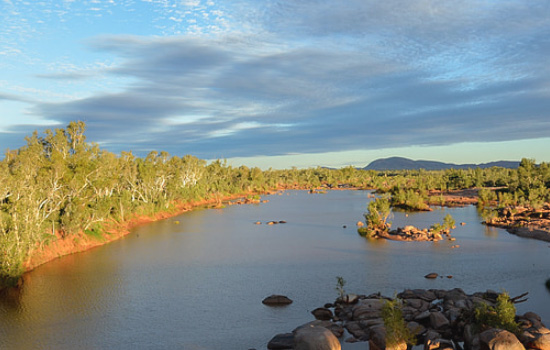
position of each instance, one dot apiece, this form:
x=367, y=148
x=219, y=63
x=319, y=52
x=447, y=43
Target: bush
x=501, y=316
x=378, y=212
x=396, y=328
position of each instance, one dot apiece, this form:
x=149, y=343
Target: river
x=196, y=281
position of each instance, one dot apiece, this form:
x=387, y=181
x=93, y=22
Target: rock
x=315, y=338
x=281, y=341
x=350, y=298
x=367, y=309
x=335, y=328
x=416, y=328
x=431, y=275
x=377, y=337
x=418, y=304
x=426, y=295
x=355, y=329
x=438, y=320
x=422, y=316
x=455, y=294
x=533, y=318
x=540, y=342
x=352, y=340
x=258, y=223
x=498, y=339
x=322, y=314
x=438, y=344
x=277, y=300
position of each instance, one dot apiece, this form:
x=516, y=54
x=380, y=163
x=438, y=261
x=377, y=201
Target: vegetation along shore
x=60, y=194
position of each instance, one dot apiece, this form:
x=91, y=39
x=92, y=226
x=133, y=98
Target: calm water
x=199, y=284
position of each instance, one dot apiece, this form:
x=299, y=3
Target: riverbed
x=196, y=281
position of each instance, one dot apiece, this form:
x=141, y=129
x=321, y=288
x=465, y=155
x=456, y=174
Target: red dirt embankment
x=61, y=246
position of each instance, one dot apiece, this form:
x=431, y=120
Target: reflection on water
x=199, y=284
x=491, y=231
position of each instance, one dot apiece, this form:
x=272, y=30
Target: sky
x=274, y=83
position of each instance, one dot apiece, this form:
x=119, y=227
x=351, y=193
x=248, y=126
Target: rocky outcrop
x=439, y=320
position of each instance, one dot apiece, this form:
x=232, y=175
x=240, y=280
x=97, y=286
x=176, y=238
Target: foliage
x=340, y=283
x=447, y=225
x=501, y=316
x=396, y=328
x=449, y=222
x=377, y=214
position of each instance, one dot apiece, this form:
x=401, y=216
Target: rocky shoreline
x=524, y=222
x=438, y=320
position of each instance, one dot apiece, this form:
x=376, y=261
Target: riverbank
x=61, y=246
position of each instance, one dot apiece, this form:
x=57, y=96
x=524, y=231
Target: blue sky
x=282, y=83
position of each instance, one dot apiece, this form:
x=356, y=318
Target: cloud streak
x=312, y=76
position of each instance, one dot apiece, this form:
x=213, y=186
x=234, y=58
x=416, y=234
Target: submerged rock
x=277, y=300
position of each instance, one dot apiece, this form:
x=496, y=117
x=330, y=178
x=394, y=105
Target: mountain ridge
x=401, y=163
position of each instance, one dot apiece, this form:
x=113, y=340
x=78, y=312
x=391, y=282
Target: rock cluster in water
x=440, y=320
x=411, y=233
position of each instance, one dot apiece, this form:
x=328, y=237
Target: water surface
x=199, y=284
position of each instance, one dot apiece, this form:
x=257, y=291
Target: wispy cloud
x=315, y=76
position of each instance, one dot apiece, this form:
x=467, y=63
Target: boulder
x=368, y=309
x=431, y=275
x=355, y=329
x=377, y=337
x=315, y=338
x=335, y=328
x=498, y=339
x=322, y=314
x=281, y=342
x=540, y=342
x=277, y=300
x=438, y=320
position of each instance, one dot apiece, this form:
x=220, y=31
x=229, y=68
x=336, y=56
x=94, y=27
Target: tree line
x=59, y=186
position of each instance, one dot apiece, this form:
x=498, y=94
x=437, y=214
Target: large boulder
x=276, y=300
x=315, y=338
x=281, y=341
x=335, y=328
x=499, y=339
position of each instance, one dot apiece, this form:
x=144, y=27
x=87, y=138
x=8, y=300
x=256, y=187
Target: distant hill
x=400, y=163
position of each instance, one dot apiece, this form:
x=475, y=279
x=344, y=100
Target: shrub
x=501, y=316
x=396, y=328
